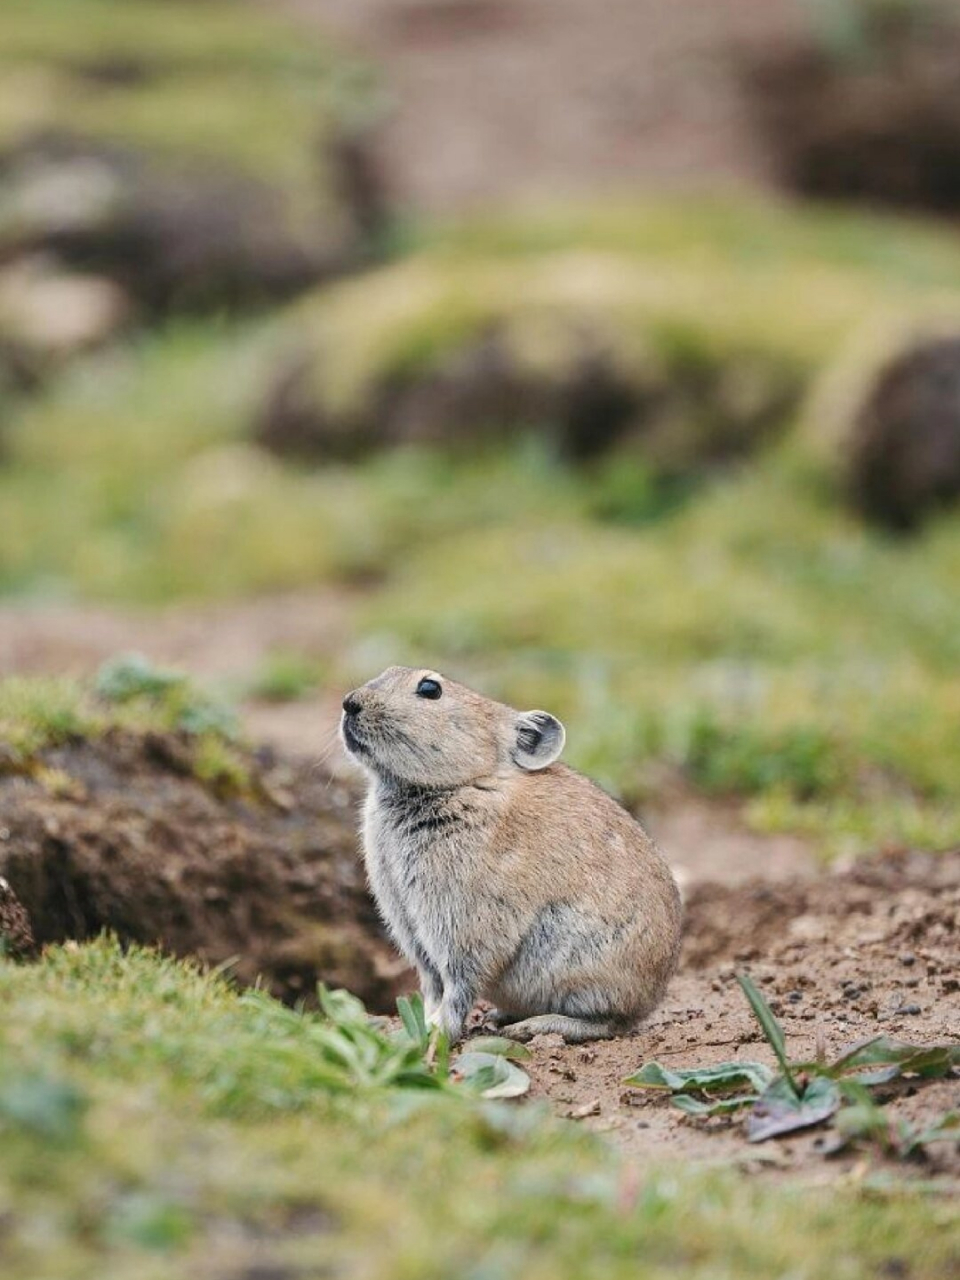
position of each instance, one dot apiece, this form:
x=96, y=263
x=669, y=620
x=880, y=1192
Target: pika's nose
x=350, y=705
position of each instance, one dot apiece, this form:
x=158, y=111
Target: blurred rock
x=867, y=107
x=48, y=314
x=903, y=457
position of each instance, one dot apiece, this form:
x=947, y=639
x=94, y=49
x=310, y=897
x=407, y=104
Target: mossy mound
x=201, y=155
x=885, y=421
x=866, y=106
x=686, y=333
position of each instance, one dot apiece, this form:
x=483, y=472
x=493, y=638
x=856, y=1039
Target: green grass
x=153, y=1125
x=285, y=676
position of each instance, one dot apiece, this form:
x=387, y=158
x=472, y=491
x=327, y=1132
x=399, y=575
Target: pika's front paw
x=447, y=1021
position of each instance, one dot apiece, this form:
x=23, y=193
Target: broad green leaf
x=714, y=1106
x=780, y=1110
x=771, y=1028
x=501, y=1046
x=723, y=1076
x=491, y=1075
x=879, y=1059
x=410, y=1009
x=341, y=1007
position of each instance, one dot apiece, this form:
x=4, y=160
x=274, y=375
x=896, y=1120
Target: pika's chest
x=423, y=849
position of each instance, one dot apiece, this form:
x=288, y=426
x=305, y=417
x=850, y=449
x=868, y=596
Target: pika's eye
x=428, y=688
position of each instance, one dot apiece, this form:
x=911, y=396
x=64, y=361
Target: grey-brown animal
x=502, y=874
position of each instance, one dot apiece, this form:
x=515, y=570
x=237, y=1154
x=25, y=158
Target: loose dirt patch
x=116, y=834
x=840, y=958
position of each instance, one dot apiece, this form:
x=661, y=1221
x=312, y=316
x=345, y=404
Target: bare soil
x=840, y=957
x=118, y=834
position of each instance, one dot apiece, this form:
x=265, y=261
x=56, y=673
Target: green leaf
x=723, y=1076
x=780, y=1109
x=879, y=1059
x=771, y=1028
x=410, y=1009
x=500, y=1046
x=713, y=1106
x=341, y=1007
x=491, y=1075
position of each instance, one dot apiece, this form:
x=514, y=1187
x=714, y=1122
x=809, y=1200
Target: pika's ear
x=540, y=739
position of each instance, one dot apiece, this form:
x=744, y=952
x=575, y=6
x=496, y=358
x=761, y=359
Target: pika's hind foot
x=573, y=1030
x=497, y=1018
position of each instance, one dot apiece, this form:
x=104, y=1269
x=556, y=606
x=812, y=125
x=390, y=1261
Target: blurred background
x=602, y=353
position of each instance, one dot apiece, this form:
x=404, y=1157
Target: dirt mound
x=868, y=109
x=903, y=457
x=682, y=413
x=184, y=234
x=118, y=834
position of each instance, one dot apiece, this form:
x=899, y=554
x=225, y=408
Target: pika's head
x=421, y=729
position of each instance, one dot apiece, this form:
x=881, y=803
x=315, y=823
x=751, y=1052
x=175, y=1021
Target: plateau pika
x=502, y=874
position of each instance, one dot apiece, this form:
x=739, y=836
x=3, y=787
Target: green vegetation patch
x=662, y=281
x=38, y=713
x=218, y=81
x=154, y=1122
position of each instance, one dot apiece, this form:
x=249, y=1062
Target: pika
x=501, y=874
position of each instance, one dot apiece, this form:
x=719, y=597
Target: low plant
x=286, y=677
x=808, y=1093
x=357, y=1051
x=131, y=678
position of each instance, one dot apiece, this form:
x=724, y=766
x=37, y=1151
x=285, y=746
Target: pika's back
x=565, y=835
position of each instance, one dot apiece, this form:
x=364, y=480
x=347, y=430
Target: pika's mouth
x=350, y=739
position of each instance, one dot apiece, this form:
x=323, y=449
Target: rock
x=902, y=459
x=873, y=115
x=48, y=314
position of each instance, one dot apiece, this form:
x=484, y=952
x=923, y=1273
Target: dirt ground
x=494, y=99
x=840, y=957
x=120, y=834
